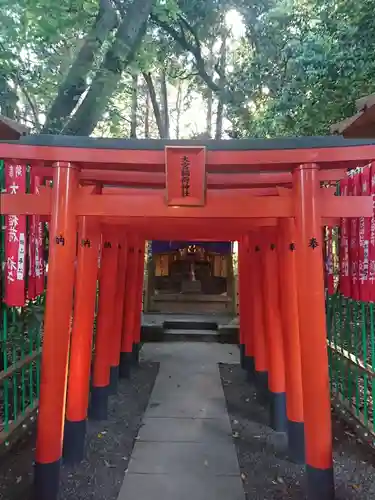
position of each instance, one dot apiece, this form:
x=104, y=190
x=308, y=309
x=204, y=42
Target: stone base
x=190, y=303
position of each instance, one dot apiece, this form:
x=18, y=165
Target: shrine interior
x=190, y=277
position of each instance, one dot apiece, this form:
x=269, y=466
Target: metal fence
x=20, y=348
x=351, y=353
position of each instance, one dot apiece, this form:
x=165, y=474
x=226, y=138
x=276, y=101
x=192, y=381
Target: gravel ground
x=109, y=446
x=266, y=471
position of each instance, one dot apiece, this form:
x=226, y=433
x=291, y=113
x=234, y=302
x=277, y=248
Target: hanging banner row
x=23, y=241
x=351, y=250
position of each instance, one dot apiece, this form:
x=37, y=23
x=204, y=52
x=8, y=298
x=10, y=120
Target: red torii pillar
x=82, y=337
x=274, y=337
x=104, y=325
x=54, y=369
x=246, y=291
x=126, y=354
x=290, y=323
x=258, y=306
x=314, y=358
x=140, y=266
x=241, y=294
x=118, y=316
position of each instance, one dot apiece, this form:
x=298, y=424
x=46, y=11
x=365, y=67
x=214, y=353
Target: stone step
x=190, y=324
x=159, y=334
x=182, y=335
x=188, y=329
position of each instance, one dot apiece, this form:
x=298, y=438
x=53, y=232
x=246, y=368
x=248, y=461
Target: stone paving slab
x=177, y=390
x=197, y=378
x=201, y=385
x=187, y=407
x=193, y=355
x=185, y=448
x=180, y=487
x=196, y=459
x=185, y=430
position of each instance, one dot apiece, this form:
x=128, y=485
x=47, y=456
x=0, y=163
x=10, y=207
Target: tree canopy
x=184, y=68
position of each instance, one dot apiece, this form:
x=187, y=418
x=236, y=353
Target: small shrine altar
x=190, y=277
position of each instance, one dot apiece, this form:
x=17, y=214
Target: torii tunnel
x=115, y=194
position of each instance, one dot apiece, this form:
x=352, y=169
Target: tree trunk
x=8, y=100
x=133, y=122
x=209, y=113
x=178, y=109
x=123, y=50
x=164, y=103
x=210, y=94
x=147, y=116
x=74, y=85
x=154, y=102
x=220, y=104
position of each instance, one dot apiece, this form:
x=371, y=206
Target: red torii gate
x=219, y=190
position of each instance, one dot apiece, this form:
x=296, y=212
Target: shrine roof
x=10, y=129
x=362, y=123
x=283, y=143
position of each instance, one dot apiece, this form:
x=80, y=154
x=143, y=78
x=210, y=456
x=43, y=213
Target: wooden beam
x=228, y=204
x=205, y=229
x=219, y=205
x=144, y=192
x=346, y=206
x=214, y=181
x=26, y=204
x=188, y=229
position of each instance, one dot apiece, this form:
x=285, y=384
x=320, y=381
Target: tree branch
x=183, y=23
x=74, y=85
x=30, y=103
x=181, y=39
x=154, y=102
x=164, y=103
x=134, y=106
x=195, y=50
x=121, y=53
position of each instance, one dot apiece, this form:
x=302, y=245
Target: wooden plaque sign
x=185, y=176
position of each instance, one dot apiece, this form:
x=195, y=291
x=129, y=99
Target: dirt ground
x=267, y=473
x=109, y=445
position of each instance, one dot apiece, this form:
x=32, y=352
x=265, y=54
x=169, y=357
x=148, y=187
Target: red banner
x=15, y=238
x=372, y=239
x=39, y=249
x=354, y=189
x=35, y=284
x=345, y=282
x=329, y=264
x=364, y=228
x=31, y=290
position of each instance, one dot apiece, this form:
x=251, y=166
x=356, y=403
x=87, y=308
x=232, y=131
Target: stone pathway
x=185, y=448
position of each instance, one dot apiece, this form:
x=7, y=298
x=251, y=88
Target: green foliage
x=166, y=9
x=313, y=58
x=38, y=43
